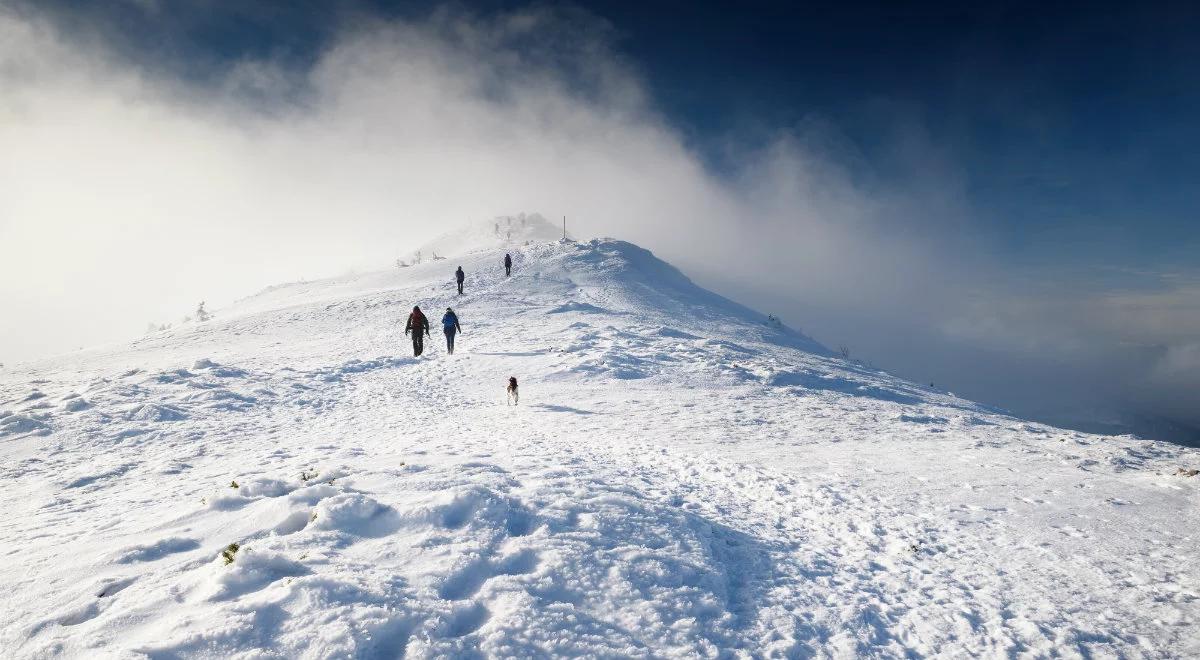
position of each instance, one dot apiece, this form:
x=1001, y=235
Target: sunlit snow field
x=683, y=477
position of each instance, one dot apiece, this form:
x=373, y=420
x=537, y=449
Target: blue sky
x=1001, y=198
x=1074, y=125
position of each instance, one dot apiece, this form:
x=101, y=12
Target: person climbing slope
x=417, y=323
x=459, y=276
x=450, y=326
x=507, y=265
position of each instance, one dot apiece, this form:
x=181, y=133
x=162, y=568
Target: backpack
x=417, y=321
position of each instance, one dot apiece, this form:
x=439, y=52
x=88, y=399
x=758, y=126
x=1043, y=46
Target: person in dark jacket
x=450, y=326
x=507, y=265
x=459, y=276
x=417, y=324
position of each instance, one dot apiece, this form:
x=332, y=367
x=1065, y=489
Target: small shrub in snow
x=202, y=315
x=229, y=553
x=233, y=484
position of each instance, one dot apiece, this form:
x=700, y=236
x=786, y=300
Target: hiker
x=450, y=326
x=459, y=275
x=507, y=265
x=417, y=323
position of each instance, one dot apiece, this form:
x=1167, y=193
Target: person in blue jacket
x=450, y=326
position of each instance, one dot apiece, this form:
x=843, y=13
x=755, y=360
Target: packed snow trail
x=682, y=478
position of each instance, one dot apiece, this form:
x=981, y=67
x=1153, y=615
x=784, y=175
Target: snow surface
x=683, y=478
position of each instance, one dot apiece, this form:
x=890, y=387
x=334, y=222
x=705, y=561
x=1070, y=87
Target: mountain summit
x=501, y=232
x=683, y=477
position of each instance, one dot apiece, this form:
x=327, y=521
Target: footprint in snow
x=466, y=620
x=467, y=582
x=153, y=551
x=89, y=609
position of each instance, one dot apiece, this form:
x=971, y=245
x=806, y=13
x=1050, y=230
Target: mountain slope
x=682, y=477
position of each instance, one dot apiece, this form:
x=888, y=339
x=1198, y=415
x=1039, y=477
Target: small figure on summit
x=459, y=276
x=417, y=324
x=507, y=265
x=450, y=326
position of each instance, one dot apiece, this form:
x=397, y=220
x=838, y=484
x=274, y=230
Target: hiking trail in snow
x=683, y=477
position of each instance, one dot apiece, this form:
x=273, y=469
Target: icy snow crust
x=682, y=478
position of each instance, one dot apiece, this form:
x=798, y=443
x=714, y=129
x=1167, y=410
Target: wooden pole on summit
x=564, y=227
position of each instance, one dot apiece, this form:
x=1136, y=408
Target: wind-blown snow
x=503, y=232
x=683, y=477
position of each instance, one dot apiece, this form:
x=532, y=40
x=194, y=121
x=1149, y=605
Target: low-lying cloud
x=128, y=194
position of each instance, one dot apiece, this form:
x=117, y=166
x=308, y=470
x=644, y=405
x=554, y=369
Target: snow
x=683, y=477
x=505, y=232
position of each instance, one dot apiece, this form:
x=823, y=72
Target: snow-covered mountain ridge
x=683, y=477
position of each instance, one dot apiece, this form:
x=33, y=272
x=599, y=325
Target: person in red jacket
x=418, y=325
